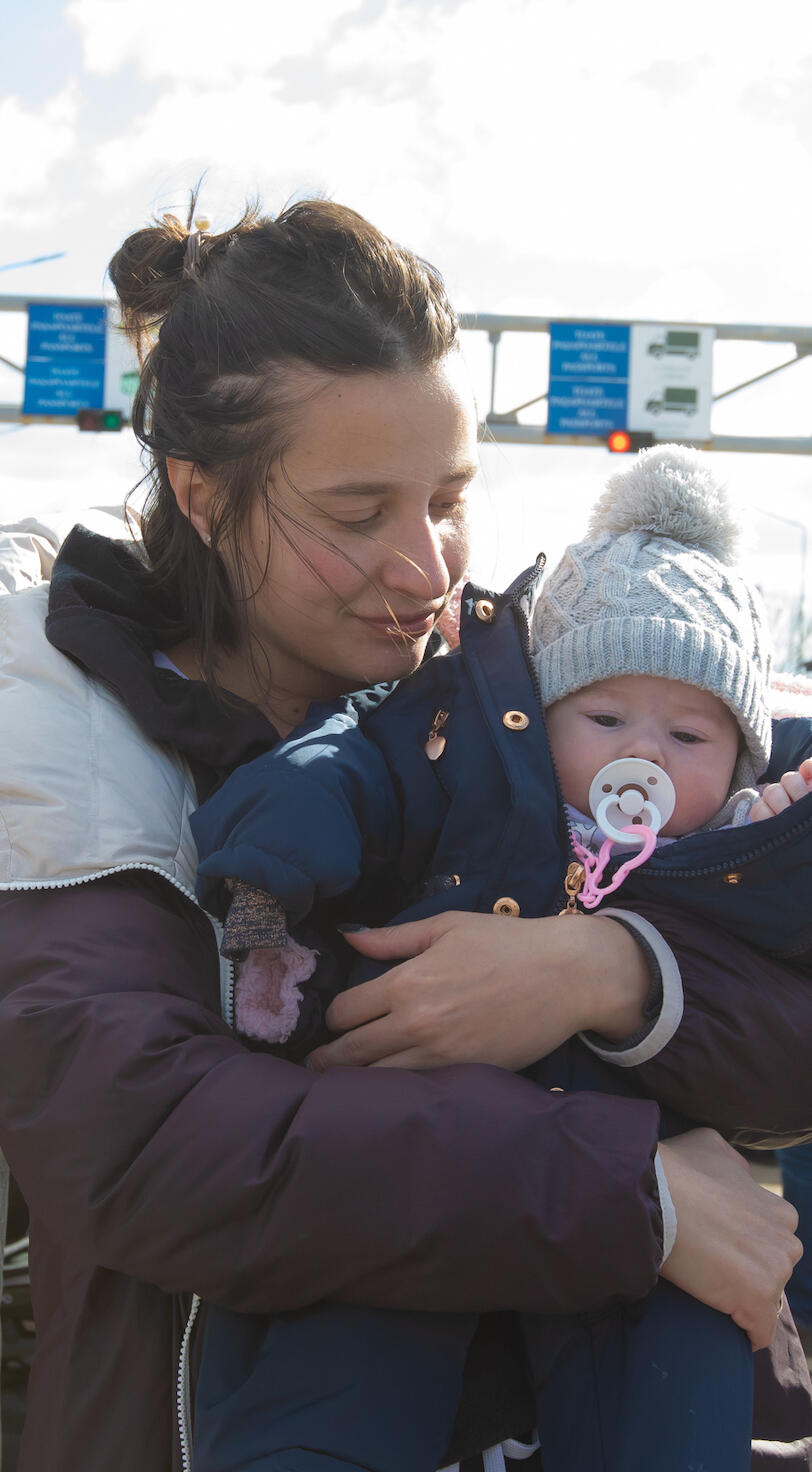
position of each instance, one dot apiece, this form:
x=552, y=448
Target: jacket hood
x=106, y=613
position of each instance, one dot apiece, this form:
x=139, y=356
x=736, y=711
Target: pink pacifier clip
x=628, y=787
x=595, y=864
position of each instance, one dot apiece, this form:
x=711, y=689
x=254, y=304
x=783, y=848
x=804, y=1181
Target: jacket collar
x=105, y=613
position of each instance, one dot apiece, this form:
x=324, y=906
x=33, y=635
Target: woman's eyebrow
x=360, y=487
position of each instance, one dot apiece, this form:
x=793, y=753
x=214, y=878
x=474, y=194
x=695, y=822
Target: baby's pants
x=665, y=1384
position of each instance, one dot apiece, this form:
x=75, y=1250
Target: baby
x=660, y=651
x=645, y=647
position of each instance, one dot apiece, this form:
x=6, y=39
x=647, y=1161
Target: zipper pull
x=573, y=884
x=435, y=743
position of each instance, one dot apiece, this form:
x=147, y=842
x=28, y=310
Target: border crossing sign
x=66, y=358
x=589, y=378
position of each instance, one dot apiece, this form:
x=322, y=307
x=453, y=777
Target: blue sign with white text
x=64, y=370
x=589, y=378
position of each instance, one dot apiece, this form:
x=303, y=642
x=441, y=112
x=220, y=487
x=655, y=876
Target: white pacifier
x=628, y=792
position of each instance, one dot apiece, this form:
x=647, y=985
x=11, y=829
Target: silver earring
x=207, y=538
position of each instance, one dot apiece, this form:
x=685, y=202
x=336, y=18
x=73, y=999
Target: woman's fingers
x=359, y=1048
x=736, y=1245
x=359, y=1005
x=489, y=989
x=394, y=942
x=412, y=1058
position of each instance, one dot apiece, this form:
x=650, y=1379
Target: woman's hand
x=735, y=1245
x=486, y=989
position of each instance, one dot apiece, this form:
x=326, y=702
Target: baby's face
x=689, y=733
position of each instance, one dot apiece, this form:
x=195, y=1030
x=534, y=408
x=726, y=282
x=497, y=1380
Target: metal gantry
x=504, y=425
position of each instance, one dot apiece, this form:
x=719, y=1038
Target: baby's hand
x=779, y=795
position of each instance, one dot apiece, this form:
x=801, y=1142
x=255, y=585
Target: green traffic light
x=111, y=419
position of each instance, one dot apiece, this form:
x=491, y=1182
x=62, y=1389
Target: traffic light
x=629, y=441
x=100, y=420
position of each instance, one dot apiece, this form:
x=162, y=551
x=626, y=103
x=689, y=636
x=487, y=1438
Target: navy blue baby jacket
x=350, y=806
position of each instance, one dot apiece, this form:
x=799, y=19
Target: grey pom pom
x=669, y=491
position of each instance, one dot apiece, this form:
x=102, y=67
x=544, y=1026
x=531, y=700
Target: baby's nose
x=647, y=746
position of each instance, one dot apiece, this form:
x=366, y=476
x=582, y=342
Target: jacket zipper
x=182, y=1390
x=704, y=870
x=565, y=896
x=28, y=884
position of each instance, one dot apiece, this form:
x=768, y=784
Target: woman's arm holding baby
x=734, y=1054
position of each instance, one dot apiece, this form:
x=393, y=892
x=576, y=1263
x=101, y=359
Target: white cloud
x=255, y=134
x=33, y=140
x=559, y=148
x=557, y=157
x=202, y=42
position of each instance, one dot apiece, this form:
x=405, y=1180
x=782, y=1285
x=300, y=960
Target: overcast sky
x=557, y=157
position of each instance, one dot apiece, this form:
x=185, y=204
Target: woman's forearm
x=171, y=1153
x=612, y=971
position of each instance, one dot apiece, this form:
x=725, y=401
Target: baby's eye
x=603, y=719
x=688, y=738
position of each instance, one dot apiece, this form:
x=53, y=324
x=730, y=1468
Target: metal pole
x=494, y=339
x=800, y=618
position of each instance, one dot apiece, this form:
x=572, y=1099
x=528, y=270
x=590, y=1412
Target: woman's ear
x=194, y=493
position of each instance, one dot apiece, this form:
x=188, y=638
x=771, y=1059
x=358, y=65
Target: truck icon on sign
x=676, y=344
x=674, y=401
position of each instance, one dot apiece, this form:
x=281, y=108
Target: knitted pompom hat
x=651, y=590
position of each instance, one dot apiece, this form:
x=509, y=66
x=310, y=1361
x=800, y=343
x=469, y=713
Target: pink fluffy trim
x=267, y=994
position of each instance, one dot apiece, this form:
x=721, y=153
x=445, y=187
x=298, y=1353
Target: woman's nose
x=416, y=566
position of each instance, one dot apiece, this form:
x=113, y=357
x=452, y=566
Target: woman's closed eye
x=362, y=521
x=445, y=510
x=439, y=511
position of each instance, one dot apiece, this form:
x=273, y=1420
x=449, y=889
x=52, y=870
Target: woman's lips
x=403, y=623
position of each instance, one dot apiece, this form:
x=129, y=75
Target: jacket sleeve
x=737, y=1056
x=299, y=821
x=149, y=1137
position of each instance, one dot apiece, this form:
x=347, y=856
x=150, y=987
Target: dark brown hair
x=220, y=323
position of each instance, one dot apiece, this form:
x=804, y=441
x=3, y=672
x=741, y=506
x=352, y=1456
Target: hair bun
x=669, y=491
x=147, y=273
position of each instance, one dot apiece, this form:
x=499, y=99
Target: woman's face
x=371, y=504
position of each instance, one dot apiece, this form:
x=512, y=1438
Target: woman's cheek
x=327, y=570
x=457, y=551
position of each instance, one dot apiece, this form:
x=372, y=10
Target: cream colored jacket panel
x=27, y=552
x=83, y=792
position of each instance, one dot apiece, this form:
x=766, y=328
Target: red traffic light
x=625, y=441
x=99, y=420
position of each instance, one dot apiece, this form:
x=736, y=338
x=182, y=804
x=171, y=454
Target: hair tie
x=191, y=259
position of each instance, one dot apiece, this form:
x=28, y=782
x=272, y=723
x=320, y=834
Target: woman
x=311, y=439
